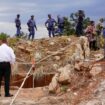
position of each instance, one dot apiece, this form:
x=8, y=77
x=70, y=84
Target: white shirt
x=7, y=54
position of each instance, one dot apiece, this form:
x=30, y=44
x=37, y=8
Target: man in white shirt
x=7, y=58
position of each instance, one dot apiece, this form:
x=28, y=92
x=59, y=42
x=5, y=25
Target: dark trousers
x=5, y=72
x=92, y=45
x=79, y=29
x=31, y=33
x=51, y=31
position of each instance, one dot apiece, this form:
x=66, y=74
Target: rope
x=63, y=49
x=31, y=69
x=21, y=86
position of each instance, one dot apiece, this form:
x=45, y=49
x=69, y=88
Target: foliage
x=64, y=88
x=3, y=36
x=68, y=27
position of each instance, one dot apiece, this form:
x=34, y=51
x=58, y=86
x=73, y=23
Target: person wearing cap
x=18, y=25
x=50, y=23
x=7, y=59
x=31, y=27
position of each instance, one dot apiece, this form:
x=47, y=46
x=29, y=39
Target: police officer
x=7, y=58
x=50, y=23
x=31, y=27
x=60, y=24
x=18, y=25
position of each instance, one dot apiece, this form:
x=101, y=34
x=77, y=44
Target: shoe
x=10, y=95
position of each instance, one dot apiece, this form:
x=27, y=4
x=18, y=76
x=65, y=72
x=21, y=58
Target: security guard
x=50, y=25
x=7, y=58
x=18, y=25
x=31, y=27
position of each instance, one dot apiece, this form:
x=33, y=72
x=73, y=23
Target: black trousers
x=92, y=45
x=5, y=72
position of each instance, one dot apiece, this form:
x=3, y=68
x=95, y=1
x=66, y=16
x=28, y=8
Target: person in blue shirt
x=31, y=27
x=18, y=25
x=104, y=32
x=60, y=24
x=104, y=40
x=50, y=24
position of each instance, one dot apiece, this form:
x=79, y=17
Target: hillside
x=66, y=72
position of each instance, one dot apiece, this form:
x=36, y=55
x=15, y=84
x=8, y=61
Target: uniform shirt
x=17, y=22
x=104, y=32
x=60, y=20
x=31, y=23
x=50, y=22
x=7, y=54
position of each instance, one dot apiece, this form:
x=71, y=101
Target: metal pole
x=33, y=80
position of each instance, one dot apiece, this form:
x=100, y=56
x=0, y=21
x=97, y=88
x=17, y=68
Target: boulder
x=96, y=69
x=64, y=77
x=54, y=84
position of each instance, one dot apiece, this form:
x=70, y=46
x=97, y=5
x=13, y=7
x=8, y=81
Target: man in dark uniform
x=50, y=25
x=18, y=25
x=7, y=58
x=79, y=27
x=31, y=27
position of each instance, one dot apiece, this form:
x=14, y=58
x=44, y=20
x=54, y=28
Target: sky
x=94, y=9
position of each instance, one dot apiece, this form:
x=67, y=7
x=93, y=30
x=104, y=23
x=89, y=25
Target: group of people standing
x=50, y=25
x=31, y=26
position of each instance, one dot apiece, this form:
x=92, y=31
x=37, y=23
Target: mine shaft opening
x=38, y=82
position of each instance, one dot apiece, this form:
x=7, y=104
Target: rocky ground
x=79, y=74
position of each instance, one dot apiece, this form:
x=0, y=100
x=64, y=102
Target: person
x=90, y=33
x=7, y=59
x=60, y=24
x=79, y=26
x=50, y=23
x=31, y=27
x=104, y=40
x=18, y=25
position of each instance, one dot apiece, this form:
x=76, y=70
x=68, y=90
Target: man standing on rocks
x=7, y=58
x=18, y=25
x=50, y=23
x=31, y=27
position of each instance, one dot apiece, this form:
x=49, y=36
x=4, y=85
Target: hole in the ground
x=43, y=81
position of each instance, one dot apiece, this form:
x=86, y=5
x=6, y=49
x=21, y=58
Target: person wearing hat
x=18, y=25
x=50, y=23
x=31, y=27
x=7, y=58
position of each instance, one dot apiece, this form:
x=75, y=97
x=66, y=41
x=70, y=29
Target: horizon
x=40, y=8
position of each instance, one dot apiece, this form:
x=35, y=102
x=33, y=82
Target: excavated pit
x=38, y=82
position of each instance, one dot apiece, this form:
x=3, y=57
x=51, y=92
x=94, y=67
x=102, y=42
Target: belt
x=4, y=62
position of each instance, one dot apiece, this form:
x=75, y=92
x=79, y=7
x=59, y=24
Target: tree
x=68, y=27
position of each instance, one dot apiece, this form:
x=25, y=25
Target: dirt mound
x=79, y=79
